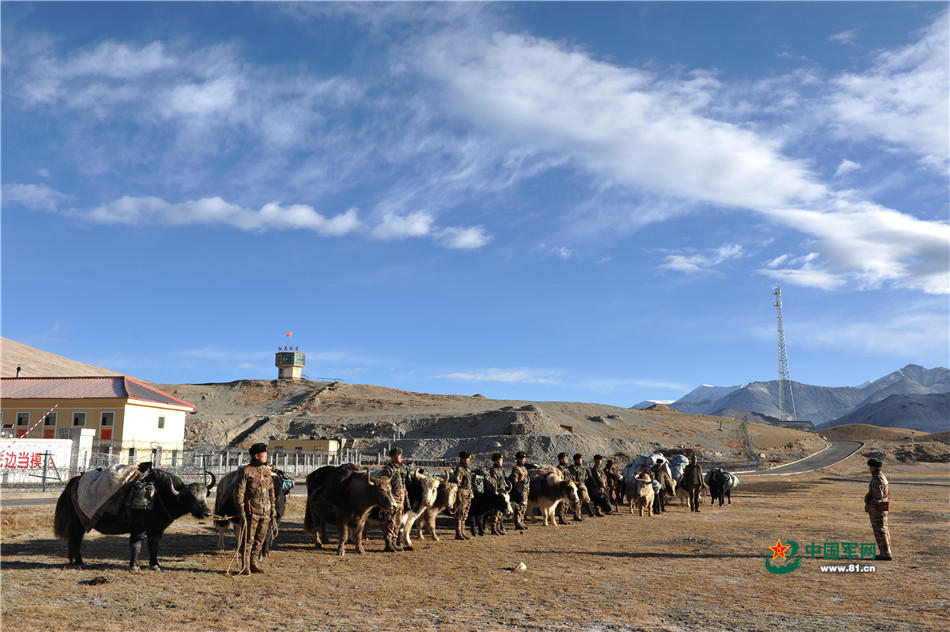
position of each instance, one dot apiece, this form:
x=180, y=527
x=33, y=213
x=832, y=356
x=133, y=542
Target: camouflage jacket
x=497, y=475
x=397, y=475
x=254, y=492
x=463, y=477
x=565, y=471
x=599, y=476
x=519, y=474
x=877, y=489
x=577, y=473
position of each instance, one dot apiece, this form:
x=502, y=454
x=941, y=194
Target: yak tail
x=65, y=512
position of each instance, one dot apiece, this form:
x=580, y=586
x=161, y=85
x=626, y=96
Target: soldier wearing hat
x=520, y=487
x=254, y=494
x=598, y=478
x=565, y=471
x=877, y=504
x=497, y=477
x=397, y=474
x=463, y=499
x=579, y=476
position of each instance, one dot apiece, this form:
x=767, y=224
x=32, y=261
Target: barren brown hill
x=431, y=426
x=38, y=363
x=865, y=432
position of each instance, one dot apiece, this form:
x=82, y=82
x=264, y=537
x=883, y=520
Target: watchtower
x=289, y=362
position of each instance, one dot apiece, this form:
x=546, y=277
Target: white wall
x=141, y=425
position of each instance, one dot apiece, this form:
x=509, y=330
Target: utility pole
x=786, y=402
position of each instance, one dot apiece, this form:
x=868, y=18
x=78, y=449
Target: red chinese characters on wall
x=21, y=460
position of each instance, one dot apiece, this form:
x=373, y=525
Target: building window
x=23, y=419
x=174, y=458
x=131, y=455
x=161, y=422
x=50, y=420
x=107, y=420
x=79, y=420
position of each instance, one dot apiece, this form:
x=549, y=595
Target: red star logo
x=779, y=550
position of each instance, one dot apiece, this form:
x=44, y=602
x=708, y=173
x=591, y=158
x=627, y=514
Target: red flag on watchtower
x=289, y=334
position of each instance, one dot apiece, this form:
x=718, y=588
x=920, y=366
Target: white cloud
x=43, y=173
x=872, y=245
x=845, y=37
x=699, y=263
x=460, y=238
x=523, y=376
x=846, y=166
x=613, y=384
x=903, y=98
x=38, y=197
x=392, y=226
x=153, y=210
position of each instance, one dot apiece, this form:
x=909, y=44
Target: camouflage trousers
x=252, y=540
x=393, y=519
x=881, y=533
x=520, y=511
x=463, y=503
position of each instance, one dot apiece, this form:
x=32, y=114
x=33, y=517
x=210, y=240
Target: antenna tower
x=786, y=403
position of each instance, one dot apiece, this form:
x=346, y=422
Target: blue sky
x=548, y=201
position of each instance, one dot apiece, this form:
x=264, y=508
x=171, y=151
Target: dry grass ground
x=680, y=571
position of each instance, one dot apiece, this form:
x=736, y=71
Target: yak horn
x=171, y=487
x=213, y=480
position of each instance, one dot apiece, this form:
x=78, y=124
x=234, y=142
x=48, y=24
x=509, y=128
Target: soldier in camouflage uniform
x=397, y=474
x=565, y=470
x=497, y=477
x=463, y=499
x=598, y=478
x=254, y=494
x=520, y=486
x=877, y=504
x=579, y=476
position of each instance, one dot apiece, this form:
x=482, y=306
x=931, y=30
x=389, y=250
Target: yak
x=344, y=495
x=721, y=483
x=486, y=501
x=172, y=500
x=226, y=507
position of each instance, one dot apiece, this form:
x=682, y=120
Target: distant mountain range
x=920, y=400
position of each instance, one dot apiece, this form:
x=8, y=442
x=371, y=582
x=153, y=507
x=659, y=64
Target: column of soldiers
x=255, y=496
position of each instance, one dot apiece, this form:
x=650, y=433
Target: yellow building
x=131, y=420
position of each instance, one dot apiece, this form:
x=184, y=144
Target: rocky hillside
x=429, y=426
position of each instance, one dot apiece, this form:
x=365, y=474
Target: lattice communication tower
x=786, y=403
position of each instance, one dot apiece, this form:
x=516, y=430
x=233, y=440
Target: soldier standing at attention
x=254, y=494
x=579, y=476
x=497, y=477
x=565, y=470
x=877, y=504
x=396, y=472
x=520, y=487
x=463, y=500
x=598, y=478
x=693, y=482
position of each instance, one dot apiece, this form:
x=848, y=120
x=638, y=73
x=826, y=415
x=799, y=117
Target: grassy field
x=679, y=571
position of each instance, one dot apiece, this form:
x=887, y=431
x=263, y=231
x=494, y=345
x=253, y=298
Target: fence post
x=45, y=465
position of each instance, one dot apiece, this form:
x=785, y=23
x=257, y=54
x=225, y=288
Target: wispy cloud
x=846, y=166
x=845, y=37
x=38, y=197
x=911, y=334
x=522, y=376
x=903, y=98
x=702, y=262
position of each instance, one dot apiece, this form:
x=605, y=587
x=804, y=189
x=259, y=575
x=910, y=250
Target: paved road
x=836, y=452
